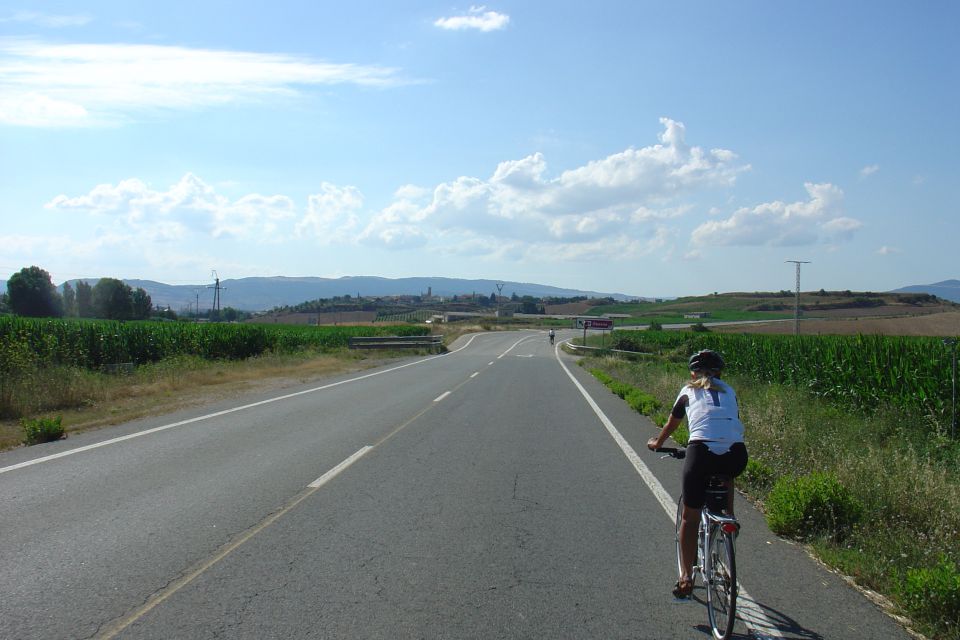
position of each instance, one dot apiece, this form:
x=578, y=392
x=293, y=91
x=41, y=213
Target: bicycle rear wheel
x=721, y=573
x=677, y=538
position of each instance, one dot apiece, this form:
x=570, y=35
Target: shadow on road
x=784, y=627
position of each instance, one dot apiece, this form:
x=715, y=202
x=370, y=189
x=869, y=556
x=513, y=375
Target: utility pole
x=796, y=304
x=216, y=294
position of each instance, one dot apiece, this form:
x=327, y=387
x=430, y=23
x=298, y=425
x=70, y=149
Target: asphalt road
x=497, y=491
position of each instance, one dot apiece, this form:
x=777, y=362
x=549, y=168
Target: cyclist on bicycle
x=551, y=336
x=715, y=447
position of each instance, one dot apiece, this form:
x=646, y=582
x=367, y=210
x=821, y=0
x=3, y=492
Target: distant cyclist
x=715, y=447
x=551, y=336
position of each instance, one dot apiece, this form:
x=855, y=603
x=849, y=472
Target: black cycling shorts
x=700, y=463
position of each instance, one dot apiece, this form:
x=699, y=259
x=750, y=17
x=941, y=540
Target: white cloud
x=478, y=18
x=611, y=206
x=869, y=170
x=777, y=223
x=840, y=229
x=188, y=207
x=622, y=206
x=331, y=214
x=888, y=251
x=75, y=85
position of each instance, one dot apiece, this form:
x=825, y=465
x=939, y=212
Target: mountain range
x=948, y=289
x=264, y=293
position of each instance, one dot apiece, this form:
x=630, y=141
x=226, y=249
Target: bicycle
x=716, y=557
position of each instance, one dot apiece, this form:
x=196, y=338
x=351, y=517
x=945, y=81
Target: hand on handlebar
x=652, y=444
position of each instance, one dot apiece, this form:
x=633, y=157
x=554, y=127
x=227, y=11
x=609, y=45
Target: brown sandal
x=683, y=589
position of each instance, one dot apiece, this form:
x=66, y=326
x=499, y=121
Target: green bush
x=602, y=376
x=637, y=400
x=37, y=430
x=682, y=434
x=625, y=341
x=933, y=594
x=641, y=402
x=757, y=475
x=811, y=506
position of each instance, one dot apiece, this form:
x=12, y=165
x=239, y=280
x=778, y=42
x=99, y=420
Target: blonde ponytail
x=706, y=380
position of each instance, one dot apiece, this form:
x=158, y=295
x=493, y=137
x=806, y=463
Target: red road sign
x=598, y=323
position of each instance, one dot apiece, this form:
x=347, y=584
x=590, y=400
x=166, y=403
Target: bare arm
x=672, y=423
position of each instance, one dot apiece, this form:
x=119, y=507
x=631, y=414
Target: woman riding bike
x=715, y=448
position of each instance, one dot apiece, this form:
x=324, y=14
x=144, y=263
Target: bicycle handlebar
x=674, y=452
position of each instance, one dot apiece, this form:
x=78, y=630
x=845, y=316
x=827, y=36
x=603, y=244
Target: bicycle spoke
x=721, y=584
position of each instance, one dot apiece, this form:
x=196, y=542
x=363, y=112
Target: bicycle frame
x=716, y=557
x=716, y=560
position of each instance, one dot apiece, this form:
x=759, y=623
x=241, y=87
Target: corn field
x=27, y=343
x=868, y=371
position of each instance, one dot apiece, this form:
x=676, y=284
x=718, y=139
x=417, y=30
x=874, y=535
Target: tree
x=30, y=292
x=112, y=299
x=84, y=299
x=69, y=300
x=141, y=304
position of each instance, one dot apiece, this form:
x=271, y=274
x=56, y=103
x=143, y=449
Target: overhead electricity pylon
x=216, y=293
x=796, y=303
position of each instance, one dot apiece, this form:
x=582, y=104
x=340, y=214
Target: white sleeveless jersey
x=713, y=416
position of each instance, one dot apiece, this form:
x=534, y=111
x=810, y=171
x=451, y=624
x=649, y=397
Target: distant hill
x=948, y=289
x=260, y=294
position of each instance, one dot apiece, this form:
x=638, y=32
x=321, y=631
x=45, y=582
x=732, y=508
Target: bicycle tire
x=677, y=538
x=721, y=577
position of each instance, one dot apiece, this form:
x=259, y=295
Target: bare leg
x=688, y=541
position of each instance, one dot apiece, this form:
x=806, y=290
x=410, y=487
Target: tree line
x=31, y=293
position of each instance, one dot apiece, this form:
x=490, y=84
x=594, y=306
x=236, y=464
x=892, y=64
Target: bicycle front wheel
x=721, y=572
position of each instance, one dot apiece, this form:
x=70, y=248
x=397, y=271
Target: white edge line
x=441, y=396
x=512, y=346
x=130, y=436
x=747, y=608
x=330, y=475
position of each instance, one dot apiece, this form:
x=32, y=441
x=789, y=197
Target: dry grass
x=578, y=308
x=99, y=400
x=935, y=324
x=93, y=400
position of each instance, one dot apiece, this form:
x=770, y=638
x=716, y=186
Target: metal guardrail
x=578, y=347
x=396, y=342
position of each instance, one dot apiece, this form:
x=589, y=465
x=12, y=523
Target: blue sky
x=646, y=148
